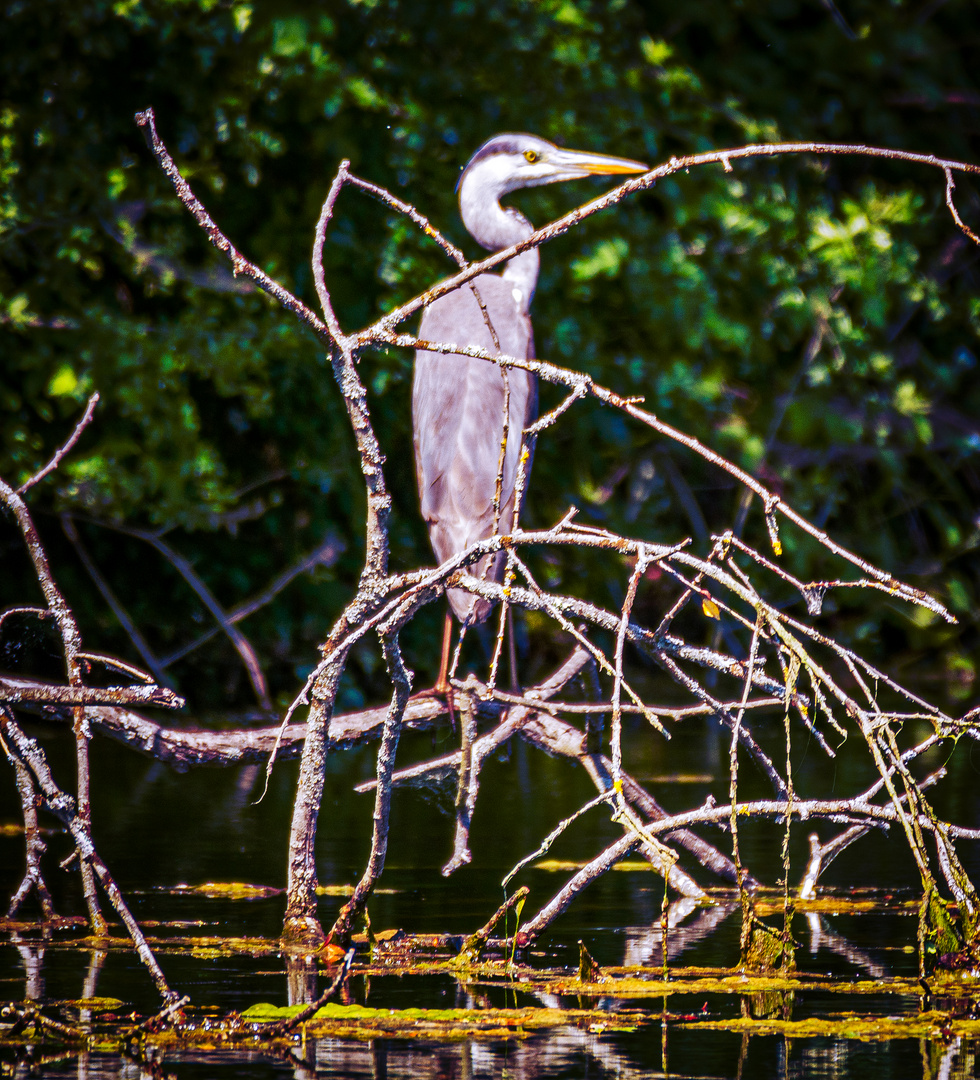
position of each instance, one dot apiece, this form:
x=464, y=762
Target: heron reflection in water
x=458, y=401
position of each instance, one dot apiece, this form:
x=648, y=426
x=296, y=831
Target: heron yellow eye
x=530, y=156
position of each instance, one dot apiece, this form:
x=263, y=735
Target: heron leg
x=442, y=683
x=515, y=686
x=443, y=688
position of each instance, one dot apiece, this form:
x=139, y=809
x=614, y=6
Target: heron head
x=508, y=162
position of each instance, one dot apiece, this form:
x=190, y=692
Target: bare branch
x=781, y=648
x=64, y=449
x=950, y=185
x=122, y=615
x=771, y=502
x=71, y=643
x=239, y=264
x=14, y=691
x=240, y=642
x=385, y=325
x=325, y=555
x=64, y=808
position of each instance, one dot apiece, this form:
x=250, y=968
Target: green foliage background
x=815, y=320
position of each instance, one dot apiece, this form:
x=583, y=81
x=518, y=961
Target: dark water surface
x=156, y=829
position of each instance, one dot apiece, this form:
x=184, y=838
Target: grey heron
x=458, y=401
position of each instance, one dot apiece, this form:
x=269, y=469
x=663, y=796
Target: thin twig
x=242, y=645
x=284, y=1027
x=239, y=264
x=71, y=644
x=122, y=615
x=545, y=846
x=391, y=319
x=65, y=448
x=950, y=185
x=325, y=555
x=64, y=808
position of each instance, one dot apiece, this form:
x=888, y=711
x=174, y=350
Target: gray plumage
x=457, y=413
x=458, y=401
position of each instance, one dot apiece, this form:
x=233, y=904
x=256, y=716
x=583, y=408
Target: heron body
x=458, y=401
x=457, y=412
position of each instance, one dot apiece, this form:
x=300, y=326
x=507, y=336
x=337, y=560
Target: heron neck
x=496, y=227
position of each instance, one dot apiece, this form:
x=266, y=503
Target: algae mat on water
x=361, y=1022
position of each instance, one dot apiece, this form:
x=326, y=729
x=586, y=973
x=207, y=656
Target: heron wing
x=457, y=413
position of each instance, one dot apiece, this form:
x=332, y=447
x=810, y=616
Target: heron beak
x=597, y=164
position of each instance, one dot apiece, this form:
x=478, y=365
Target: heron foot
x=446, y=693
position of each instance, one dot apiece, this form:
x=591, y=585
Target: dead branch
x=71, y=641
x=33, y=880
x=65, y=809
x=789, y=665
x=187, y=748
x=238, y=264
x=530, y=931
x=238, y=640
x=325, y=554
x=14, y=691
x=122, y=615
x=64, y=448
